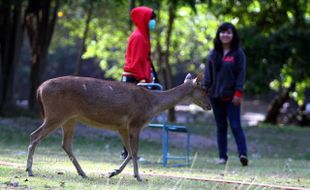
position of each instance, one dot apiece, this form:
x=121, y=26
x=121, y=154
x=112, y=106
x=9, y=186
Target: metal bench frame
x=166, y=128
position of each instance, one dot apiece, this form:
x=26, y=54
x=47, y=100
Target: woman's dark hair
x=153, y=16
x=235, y=41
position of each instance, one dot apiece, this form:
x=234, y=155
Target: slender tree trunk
x=40, y=21
x=299, y=13
x=6, y=30
x=167, y=69
x=165, y=74
x=1, y=80
x=38, y=60
x=141, y=2
x=132, y=4
x=159, y=52
x=304, y=119
x=11, y=33
x=85, y=33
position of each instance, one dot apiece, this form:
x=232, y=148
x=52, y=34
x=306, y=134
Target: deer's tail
x=39, y=99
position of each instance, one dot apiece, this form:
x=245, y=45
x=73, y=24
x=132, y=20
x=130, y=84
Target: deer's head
x=199, y=95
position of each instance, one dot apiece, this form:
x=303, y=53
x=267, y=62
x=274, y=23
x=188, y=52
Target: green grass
x=278, y=156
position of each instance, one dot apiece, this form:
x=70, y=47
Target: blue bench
x=166, y=128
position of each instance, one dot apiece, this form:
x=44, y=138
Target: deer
x=112, y=105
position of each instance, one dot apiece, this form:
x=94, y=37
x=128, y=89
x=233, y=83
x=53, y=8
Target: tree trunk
x=132, y=4
x=159, y=53
x=304, y=119
x=1, y=62
x=11, y=33
x=142, y=3
x=167, y=69
x=38, y=61
x=165, y=74
x=276, y=105
x=82, y=47
x=40, y=21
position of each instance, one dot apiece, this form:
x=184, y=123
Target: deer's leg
x=43, y=131
x=68, y=130
x=125, y=140
x=134, y=134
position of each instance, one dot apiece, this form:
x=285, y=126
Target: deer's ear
x=198, y=80
x=188, y=78
x=200, y=77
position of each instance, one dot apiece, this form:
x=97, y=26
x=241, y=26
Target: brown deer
x=112, y=105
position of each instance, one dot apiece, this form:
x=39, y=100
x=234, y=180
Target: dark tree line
x=40, y=19
x=11, y=36
x=37, y=18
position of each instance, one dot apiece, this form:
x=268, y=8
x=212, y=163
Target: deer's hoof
x=138, y=178
x=83, y=175
x=113, y=173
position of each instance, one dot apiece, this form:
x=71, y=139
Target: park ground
x=279, y=156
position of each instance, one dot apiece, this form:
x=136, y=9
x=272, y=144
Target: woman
x=224, y=78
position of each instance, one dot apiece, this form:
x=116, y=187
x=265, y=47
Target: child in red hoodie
x=138, y=66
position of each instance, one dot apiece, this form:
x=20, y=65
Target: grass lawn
x=278, y=156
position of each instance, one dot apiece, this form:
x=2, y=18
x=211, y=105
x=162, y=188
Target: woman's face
x=226, y=36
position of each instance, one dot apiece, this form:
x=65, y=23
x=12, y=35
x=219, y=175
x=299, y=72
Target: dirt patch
x=11, y=164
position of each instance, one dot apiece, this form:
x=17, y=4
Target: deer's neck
x=168, y=99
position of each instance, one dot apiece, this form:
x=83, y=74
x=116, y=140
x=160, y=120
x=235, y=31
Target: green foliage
x=191, y=39
x=107, y=36
x=294, y=58
x=275, y=85
x=273, y=35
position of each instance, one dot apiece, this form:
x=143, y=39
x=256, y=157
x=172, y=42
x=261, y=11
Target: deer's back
x=98, y=100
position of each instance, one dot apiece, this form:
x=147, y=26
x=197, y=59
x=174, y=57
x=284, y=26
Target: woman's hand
x=142, y=81
x=236, y=100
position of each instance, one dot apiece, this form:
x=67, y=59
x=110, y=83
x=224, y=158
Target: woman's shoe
x=221, y=161
x=244, y=160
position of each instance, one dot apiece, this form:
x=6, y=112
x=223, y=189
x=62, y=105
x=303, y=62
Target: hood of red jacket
x=141, y=16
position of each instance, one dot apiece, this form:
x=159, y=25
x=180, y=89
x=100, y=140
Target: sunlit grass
x=269, y=164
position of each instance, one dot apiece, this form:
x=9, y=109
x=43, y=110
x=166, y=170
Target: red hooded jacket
x=138, y=60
